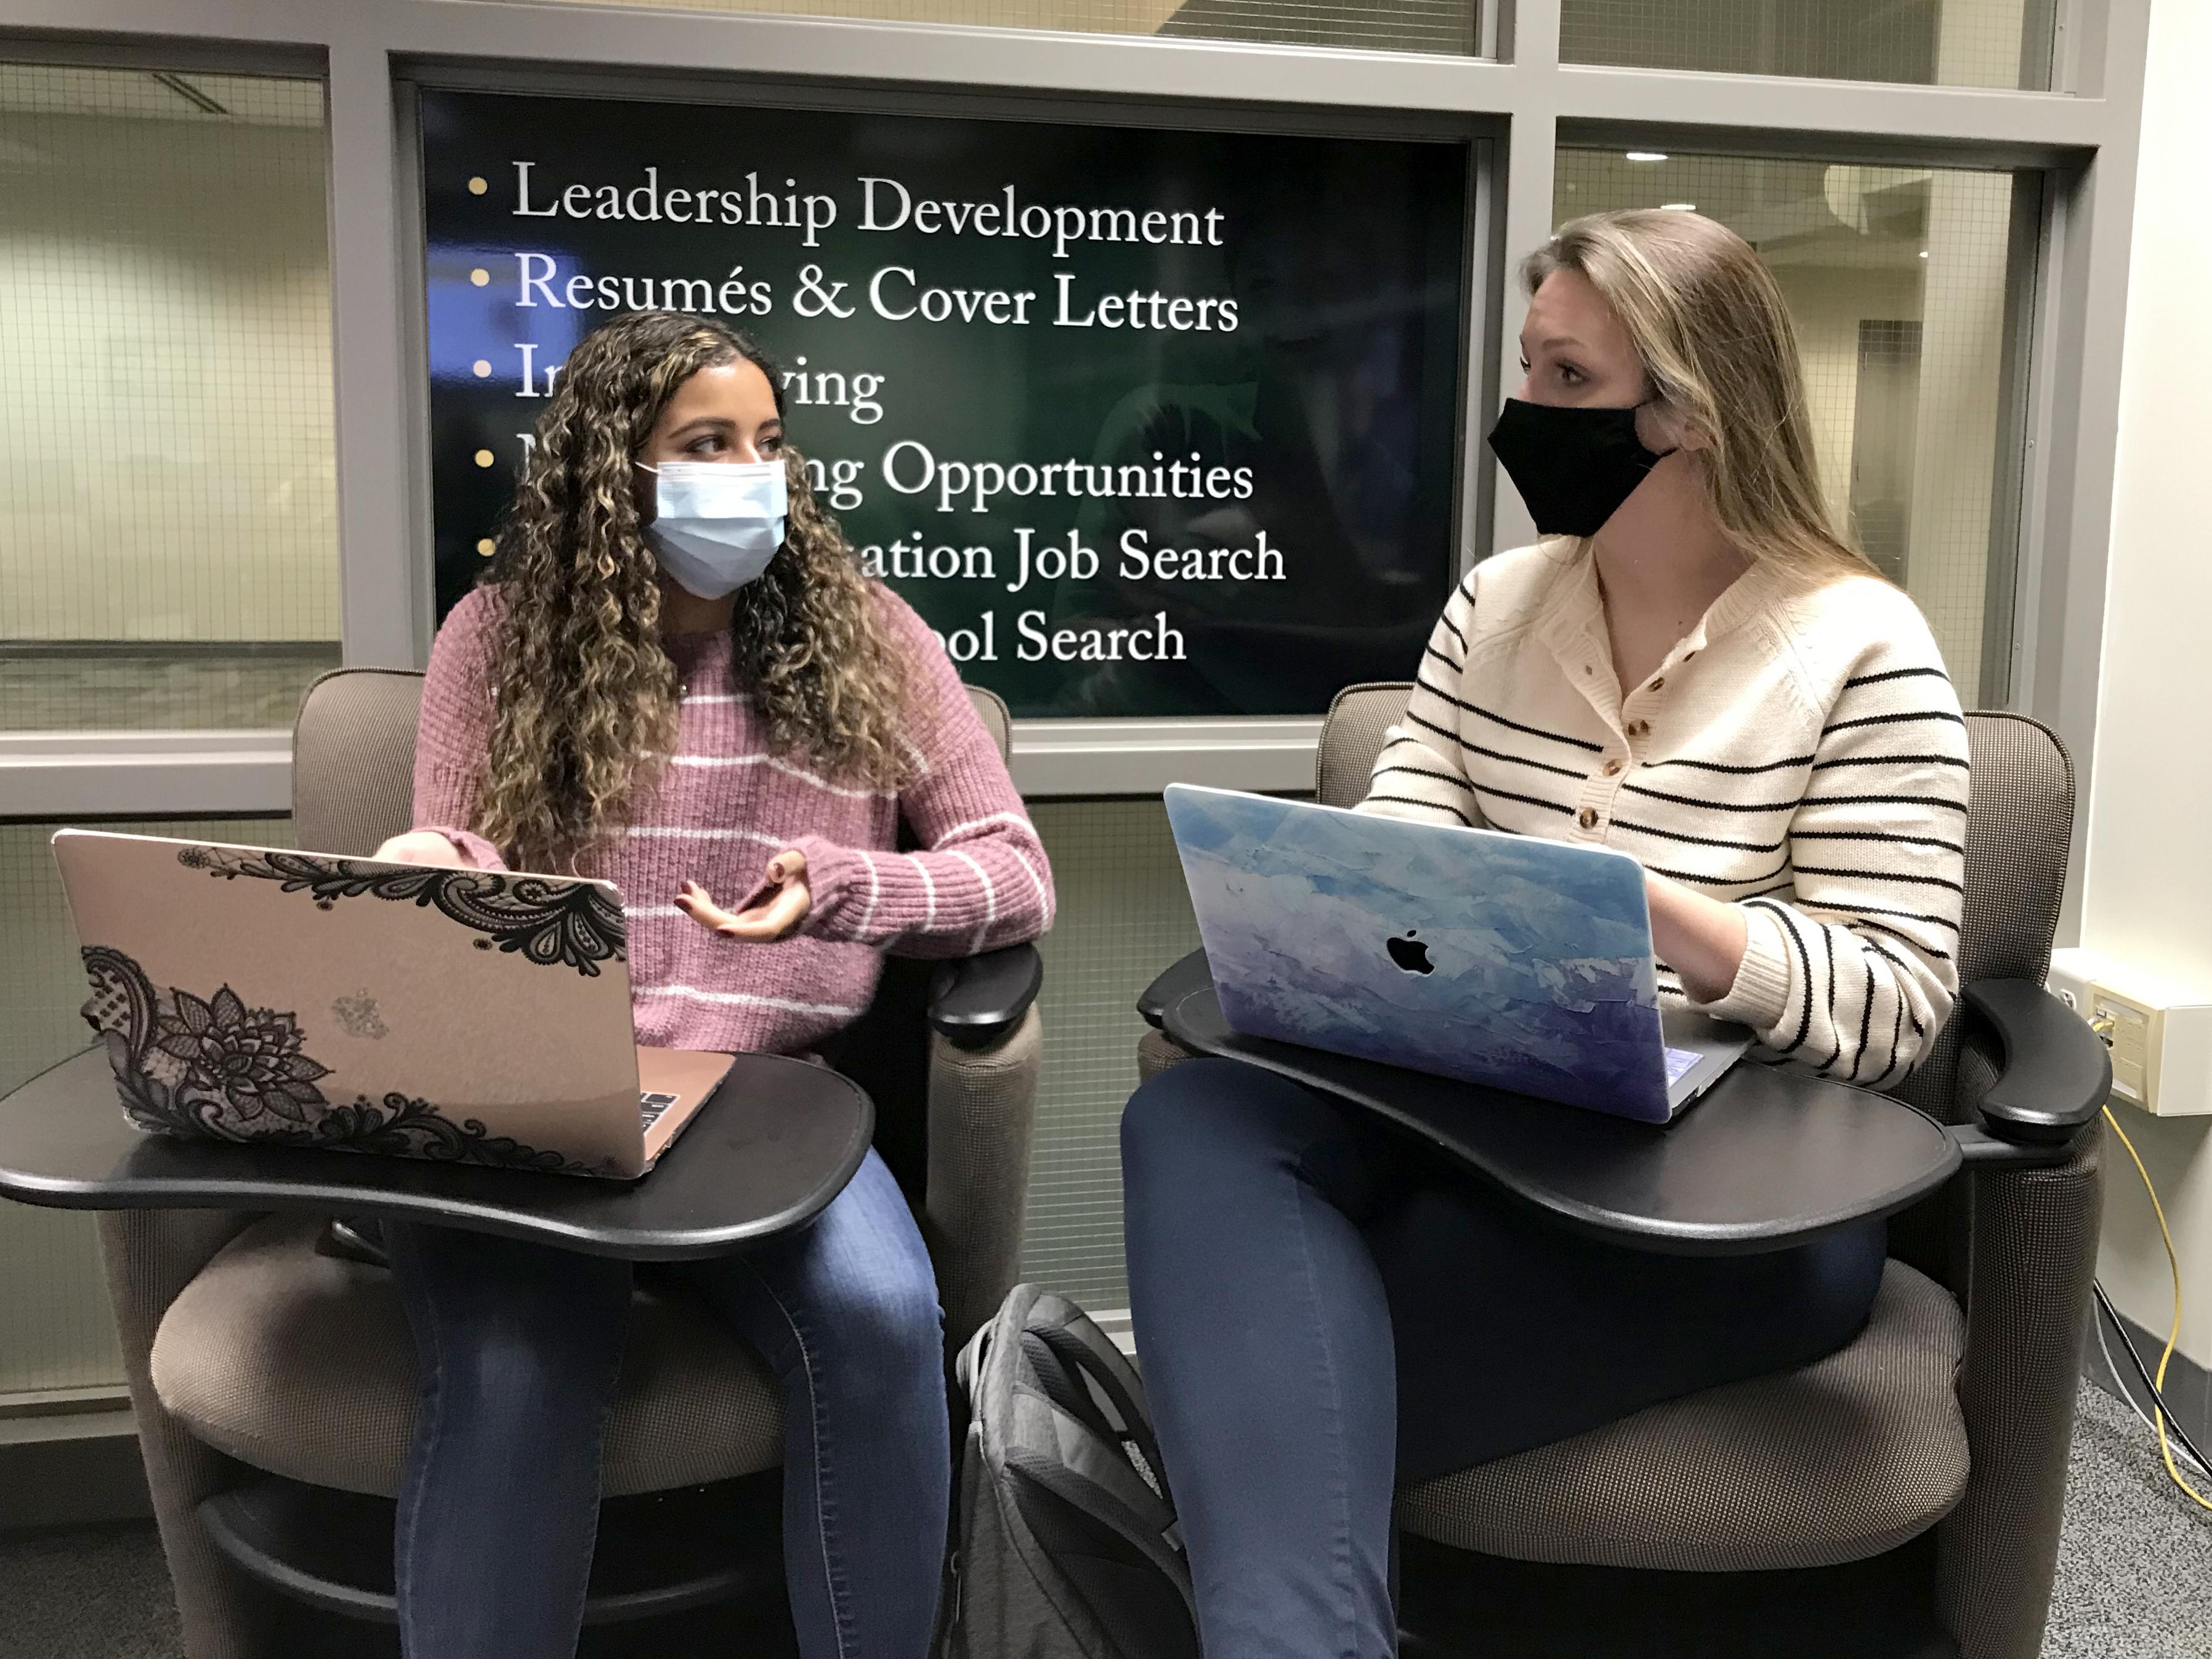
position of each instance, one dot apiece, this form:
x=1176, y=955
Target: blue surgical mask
x=717, y=524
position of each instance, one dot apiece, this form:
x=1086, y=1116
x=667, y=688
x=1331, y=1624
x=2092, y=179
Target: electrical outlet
x=2131, y=1032
x=2160, y=1032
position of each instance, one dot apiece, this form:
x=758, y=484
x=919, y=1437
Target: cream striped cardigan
x=1800, y=753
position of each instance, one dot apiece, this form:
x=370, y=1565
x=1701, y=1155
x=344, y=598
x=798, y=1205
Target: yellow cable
x=2173, y=1337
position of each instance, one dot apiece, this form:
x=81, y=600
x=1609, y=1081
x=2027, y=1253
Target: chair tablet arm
x=1978, y=1147
x=2056, y=1073
x=975, y=1001
x=351, y=1240
x=1191, y=974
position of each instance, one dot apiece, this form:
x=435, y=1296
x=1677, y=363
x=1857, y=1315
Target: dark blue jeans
x=518, y=1347
x=1323, y=1310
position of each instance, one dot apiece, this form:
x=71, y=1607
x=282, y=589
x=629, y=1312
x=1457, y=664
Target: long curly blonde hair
x=585, y=699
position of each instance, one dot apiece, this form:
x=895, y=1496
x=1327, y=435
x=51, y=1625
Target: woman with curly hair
x=677, y=679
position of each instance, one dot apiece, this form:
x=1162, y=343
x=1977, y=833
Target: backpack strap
x=968, y=1364
x=1067, y=1326
x=1057, y=1336
x=1059, y=1472
x=1085, y=1351
x=1078, y=1348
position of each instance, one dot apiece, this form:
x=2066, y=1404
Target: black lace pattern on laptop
x=213, y=1066
x=553, y=923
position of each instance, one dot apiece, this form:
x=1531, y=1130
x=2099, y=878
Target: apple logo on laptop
x=1410, y=954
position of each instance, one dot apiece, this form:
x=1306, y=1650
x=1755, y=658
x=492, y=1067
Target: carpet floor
x=2134, y=1568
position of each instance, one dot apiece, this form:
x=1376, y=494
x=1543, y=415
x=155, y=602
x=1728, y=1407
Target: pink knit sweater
x=724, y=805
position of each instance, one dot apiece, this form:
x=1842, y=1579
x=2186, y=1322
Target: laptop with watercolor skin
x=251, y=994
x=1508, y=961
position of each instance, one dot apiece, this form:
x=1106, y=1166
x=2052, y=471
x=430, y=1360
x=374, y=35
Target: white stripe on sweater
x=741, y=998
x=1044, y=895
x=990, y=899
x=775, y=763
x=875, y=893
x=1014, y=819
x=677, y=832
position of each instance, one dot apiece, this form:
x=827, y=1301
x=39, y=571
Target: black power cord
x=2120, y=1330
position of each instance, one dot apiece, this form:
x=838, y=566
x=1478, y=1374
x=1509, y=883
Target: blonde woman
x=677, y=679
x=1692, y=667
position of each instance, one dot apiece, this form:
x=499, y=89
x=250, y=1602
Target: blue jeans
x=518, y=1347
x=1324, y=1311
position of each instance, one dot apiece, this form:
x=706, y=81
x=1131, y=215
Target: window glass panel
x=1124, y=915
x=1439, y=26
x=55, y=1331
x=1898, y=279
x=1953, y=43
x=168, y=468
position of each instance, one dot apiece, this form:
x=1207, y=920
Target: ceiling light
x=1646, y=155
x=1678, y=207
x=1923, y=252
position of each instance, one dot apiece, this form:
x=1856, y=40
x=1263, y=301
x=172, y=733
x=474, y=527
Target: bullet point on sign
x=487, y=547
x=483, y=368
x=477, y=187
x=480, y=276
x=484, y=457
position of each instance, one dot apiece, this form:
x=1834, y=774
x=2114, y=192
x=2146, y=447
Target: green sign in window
x=1143, y=421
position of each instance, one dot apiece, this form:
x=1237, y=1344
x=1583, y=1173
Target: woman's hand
x=1701, y=938
x=424, y=847
x=776, y=911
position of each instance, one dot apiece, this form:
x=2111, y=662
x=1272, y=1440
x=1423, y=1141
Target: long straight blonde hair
x=1717, y=343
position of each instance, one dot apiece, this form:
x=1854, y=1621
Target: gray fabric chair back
x=353, y=756
x=2018, y=837
x=991, y=709
x=2018, y=833
x=353, y=759
x=1352, y=736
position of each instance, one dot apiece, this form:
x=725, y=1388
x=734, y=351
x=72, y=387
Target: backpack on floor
x=1068, y=1545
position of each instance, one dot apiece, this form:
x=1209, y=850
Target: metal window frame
x=2081, y=136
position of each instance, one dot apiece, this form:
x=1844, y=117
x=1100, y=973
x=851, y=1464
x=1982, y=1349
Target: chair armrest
x=982, y=1122
x=2024, y=1246
x=975, y=1001
x=1191, y=974
x=2056, y=1073
x=1977, y=1146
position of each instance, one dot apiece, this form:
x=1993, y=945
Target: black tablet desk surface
x=1769, y=1158
x=779, y=1140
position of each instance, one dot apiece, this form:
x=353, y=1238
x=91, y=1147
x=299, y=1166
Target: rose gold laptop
x=466, y=1016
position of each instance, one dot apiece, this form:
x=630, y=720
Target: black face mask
x=1574, y=467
